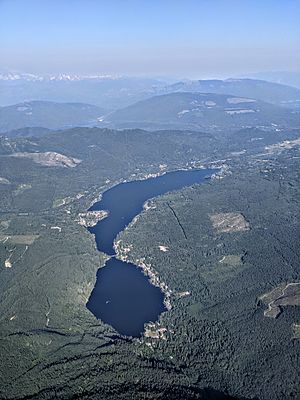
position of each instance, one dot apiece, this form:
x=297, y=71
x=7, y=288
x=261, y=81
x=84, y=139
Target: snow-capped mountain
x=107, y=91
x=18, y=76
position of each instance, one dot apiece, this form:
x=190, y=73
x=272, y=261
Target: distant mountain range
x=114, y=92
x=291, y=78
x=63, y=101
x=48, y=115
x=201, y=111
x=18, y=76
x=104, y=91
x=271, y=92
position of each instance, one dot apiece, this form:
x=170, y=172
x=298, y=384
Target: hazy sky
x=192, y=38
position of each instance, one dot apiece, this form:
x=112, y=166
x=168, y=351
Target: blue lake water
x=123, y=296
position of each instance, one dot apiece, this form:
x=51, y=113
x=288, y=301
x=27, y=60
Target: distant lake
x=123, y=296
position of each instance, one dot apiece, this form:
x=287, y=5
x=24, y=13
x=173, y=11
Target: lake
x=123, y=296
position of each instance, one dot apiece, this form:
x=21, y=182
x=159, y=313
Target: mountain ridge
x=47, y=114
x=193, y=110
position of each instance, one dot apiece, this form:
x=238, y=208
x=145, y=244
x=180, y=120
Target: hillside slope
x=201, y=111
x=270, y=92
x=47, y=114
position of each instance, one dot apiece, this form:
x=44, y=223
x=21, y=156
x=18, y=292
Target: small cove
x=123, y=296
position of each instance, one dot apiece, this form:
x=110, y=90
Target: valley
x=221, y=270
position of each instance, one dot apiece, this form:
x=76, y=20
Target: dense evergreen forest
x=236, y=241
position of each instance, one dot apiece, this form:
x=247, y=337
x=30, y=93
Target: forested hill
x=202, y=111
x=48, y=114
